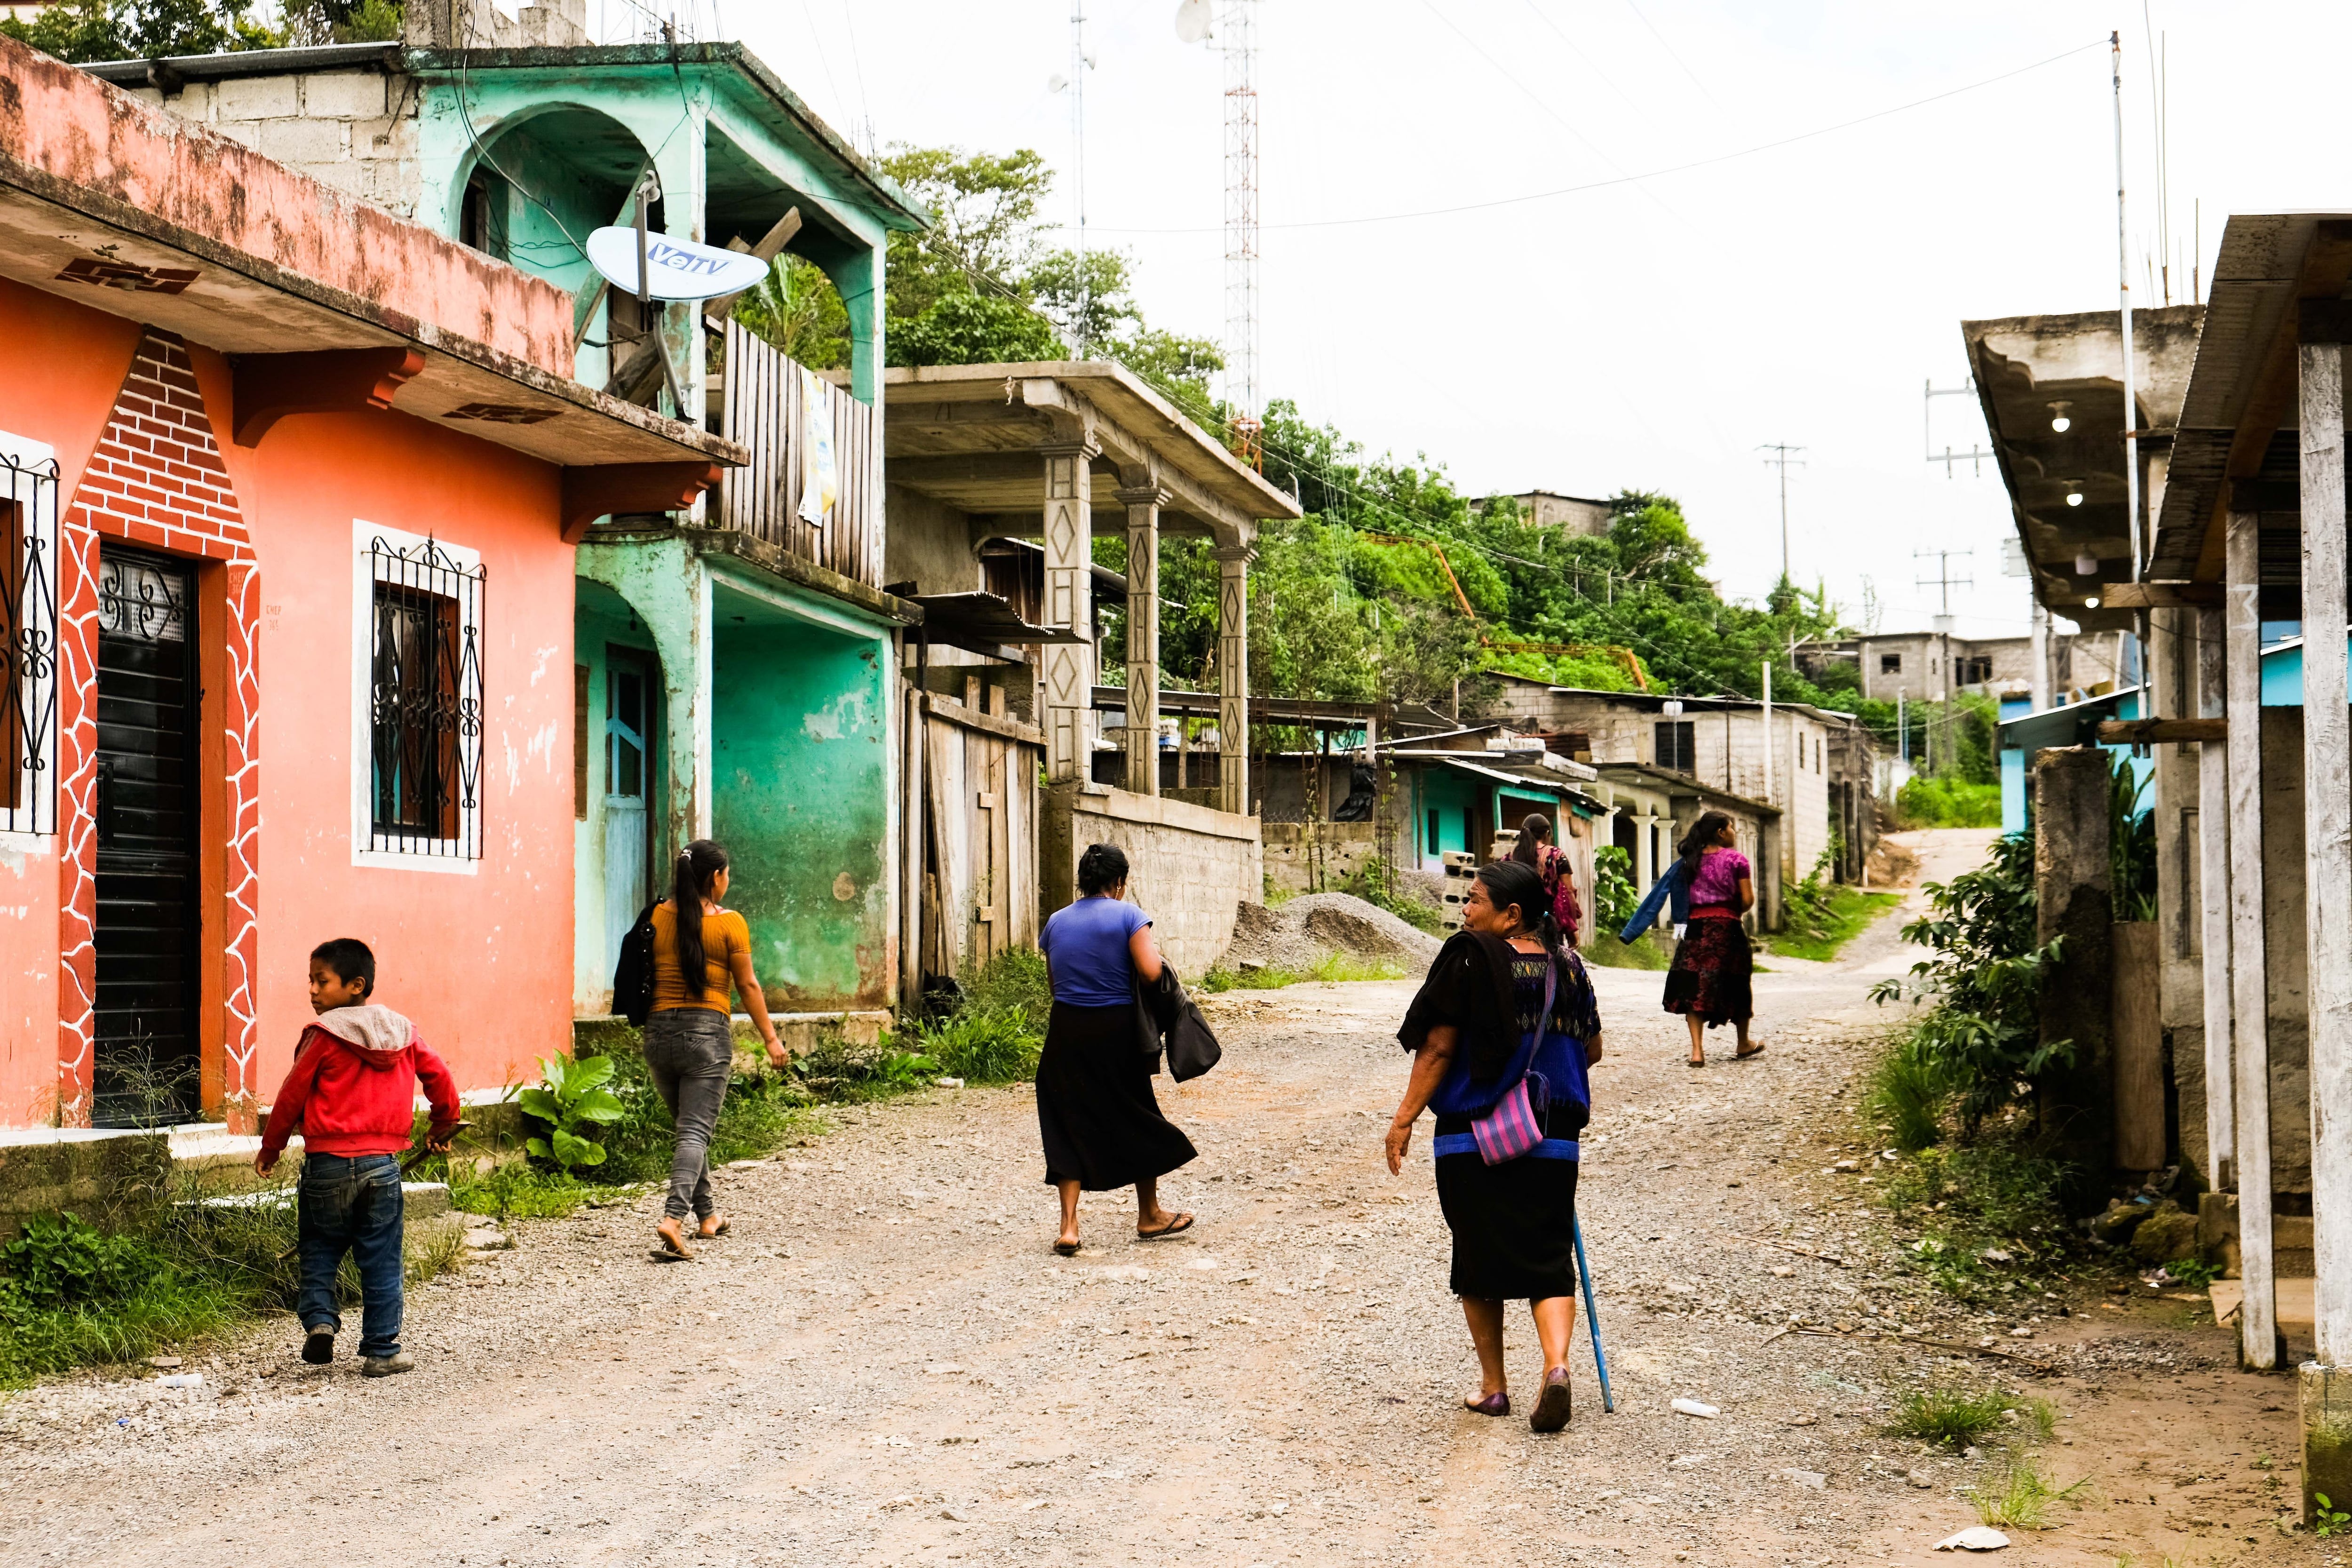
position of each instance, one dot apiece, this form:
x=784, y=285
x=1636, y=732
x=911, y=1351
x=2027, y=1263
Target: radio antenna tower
x=1238, y=34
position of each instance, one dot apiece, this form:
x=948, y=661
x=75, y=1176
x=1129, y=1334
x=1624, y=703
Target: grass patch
x=2017, y=1492
x=1906, y=1092
x=1951, y=1416
x=1844, y=914
x=1376, y=883
x=1652, y=953
x=1332, y=968
x=1948, y=802
x=1988, y=1217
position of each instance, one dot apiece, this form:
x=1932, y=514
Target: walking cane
x=1593, y=1317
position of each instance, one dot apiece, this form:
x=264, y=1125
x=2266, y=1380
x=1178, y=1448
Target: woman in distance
x=1536, y=848
x=1479, y=1029
x=1709, y=982
x=1096, y=1112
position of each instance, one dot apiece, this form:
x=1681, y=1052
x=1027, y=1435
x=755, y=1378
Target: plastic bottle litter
x=1693, y=1407
x=182, y=1380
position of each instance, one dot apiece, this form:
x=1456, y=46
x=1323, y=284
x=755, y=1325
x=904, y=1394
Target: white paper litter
x=1974, y=1538
x=1693, y=1407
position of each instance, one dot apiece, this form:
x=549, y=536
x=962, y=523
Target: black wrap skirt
x=1514, y=1224
x=1096, y=1112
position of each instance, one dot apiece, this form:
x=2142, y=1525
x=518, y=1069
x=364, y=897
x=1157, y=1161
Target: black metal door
x=148, y=808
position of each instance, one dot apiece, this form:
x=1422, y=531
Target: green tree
x=81, y=31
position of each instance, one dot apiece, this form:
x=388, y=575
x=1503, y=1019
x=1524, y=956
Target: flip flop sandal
x=1065, y=1248
x=724, y=1226
x=1696, y=1064
x=1743, y=1056
x=1177, y=1227
x=671, y=1252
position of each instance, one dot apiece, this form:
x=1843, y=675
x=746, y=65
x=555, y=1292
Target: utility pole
x=2132, y=522
x=1238, y=32
x=1781, y=460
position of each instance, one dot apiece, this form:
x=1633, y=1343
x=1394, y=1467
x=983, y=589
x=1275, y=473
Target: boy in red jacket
x=352, y=1093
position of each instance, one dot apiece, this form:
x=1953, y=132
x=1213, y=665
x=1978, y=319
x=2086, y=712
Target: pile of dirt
x=1299, y=933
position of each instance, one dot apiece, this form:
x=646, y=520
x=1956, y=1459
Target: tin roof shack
x=1722, y=741
x=2255, y=491
x=290, y=486
x=734, y=656
x=1467, y=791
x=2051, y=392
x=981, y=455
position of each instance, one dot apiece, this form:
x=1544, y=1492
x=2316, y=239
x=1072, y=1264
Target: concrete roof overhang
x=170, y=224
x=2240, y=443
x=1665, y=781
x=2024, y=366
x=969, y=436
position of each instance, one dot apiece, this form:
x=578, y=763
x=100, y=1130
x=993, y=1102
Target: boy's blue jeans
x=352, y=1204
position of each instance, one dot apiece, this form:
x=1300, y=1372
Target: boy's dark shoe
x=386, y=1365
x=319, y=1346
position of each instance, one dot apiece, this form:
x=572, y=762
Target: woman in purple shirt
x=1709, y=982
x=1096, y=1112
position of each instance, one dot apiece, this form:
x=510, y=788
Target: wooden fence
x=979, y=827
x=764, y=409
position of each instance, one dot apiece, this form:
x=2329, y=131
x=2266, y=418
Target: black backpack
x=633, y=976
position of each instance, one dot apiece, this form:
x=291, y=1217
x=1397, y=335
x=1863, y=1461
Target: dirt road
x=885, y=1364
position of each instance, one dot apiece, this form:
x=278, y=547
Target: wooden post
x=1068, y=667
x=1143, y=501
x=1232, y=678
x=2214, y=890
x=2328, y=840
x=914, y=827
x=2139, y=1047
x=2249, y=994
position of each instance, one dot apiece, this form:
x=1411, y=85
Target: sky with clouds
x=1651, y=333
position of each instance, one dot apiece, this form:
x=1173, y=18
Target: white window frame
x=20, y=487
x=369, y=848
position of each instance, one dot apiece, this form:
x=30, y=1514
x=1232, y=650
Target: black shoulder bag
x=633, y=976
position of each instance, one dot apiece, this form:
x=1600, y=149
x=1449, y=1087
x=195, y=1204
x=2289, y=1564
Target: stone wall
x=1191, y=866
x=1296, y=852
x=109, y=1178
x=354, y=129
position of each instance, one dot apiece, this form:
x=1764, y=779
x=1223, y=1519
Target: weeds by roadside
x=1377, y=884
x=2017, y=1492
x=1819, y=917
x=1332, y=968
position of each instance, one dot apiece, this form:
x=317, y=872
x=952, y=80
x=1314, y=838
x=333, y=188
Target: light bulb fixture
x=2074, y=495
x=2087, y=564
x=2092, y=602
x=2062, y=416
x=1673, y=708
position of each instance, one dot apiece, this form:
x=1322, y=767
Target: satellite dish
x=1193, y=19
x=675, y=269
x=1056, y=82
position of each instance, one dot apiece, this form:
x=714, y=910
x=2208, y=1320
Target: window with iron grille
x=29, y=638
x=424, y=700
x=1890, y=664
x=1678, y=745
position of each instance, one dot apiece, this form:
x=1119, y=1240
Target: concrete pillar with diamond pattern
x=1233, y=676
x=1143, y=502
x=1068, y=668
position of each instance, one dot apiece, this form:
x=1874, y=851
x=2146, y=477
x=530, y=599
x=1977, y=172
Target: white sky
x=1649, y=335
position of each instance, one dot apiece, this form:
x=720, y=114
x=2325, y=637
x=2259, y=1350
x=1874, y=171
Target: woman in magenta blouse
x=1709, y=982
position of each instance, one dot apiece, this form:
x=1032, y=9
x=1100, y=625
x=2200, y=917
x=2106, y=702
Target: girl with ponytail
x=702, y=950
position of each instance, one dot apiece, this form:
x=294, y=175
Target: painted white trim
x=28, y=453
x=365, y=852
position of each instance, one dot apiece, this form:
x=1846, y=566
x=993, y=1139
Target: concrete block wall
x=109, y=1178
x=1192, y=867
x=1293, y=851
x=354, y=129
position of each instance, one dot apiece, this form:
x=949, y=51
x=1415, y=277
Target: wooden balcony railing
x=766, y=407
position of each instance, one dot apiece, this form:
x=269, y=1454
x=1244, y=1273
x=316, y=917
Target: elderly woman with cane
x=1502, y=1034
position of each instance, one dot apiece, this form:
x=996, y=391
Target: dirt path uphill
x=885, y=1364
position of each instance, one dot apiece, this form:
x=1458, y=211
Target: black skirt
x=1710, y=975
x=1096, y=1112
x=1514, y=1224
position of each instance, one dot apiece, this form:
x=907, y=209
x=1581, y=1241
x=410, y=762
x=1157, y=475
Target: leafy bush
x=1377, y=884
x=1614, y=897
x=1925, y=801
x=2131, y=840
x=1014, y=981
x=985, y=1046
x=1985, y=976
x=571, y=1102
x=61, y=1260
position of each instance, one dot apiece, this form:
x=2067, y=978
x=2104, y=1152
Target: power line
x=1649, y=175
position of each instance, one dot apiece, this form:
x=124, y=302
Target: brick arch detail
x=156, y=479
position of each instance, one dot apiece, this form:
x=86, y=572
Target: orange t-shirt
x=724, y=935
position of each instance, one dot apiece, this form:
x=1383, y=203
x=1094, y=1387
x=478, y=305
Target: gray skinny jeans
x=689, y=1052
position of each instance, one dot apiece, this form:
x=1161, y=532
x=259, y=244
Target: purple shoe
x=1551, y=1410
x=1492, y=1404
